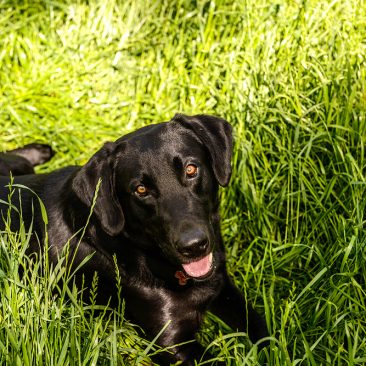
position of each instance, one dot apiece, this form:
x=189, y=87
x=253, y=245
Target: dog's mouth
x=200, y=268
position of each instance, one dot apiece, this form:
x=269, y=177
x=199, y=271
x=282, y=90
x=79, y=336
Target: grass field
x=291, y=78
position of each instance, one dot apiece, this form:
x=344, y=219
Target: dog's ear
x=107, y=208
x=216, y=135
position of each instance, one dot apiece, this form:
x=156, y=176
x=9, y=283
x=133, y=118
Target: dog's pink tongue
x=199, y=268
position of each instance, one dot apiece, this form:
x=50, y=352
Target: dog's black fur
x=155, y=215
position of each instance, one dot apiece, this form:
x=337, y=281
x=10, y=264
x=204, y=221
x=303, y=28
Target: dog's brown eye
x=191, y=170
x=141, y=190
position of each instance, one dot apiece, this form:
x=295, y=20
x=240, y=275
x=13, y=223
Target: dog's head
x=159, y=187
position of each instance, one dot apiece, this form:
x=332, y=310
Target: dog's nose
x=192, y=243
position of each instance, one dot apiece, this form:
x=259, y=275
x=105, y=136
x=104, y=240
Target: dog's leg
x=36, y=154
x=14, y=164
x=21, y=161
x=236, y=312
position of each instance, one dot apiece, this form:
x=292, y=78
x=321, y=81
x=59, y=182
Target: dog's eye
x=141, y=190
x=191, y=170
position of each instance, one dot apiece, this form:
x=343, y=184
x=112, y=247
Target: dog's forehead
x=161, y=139
x=154, y=147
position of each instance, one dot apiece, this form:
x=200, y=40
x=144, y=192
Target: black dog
x=157, y=212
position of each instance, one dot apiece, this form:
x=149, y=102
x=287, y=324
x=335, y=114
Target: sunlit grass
x=289, y=76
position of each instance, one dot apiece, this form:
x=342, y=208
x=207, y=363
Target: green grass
x=291, y=78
